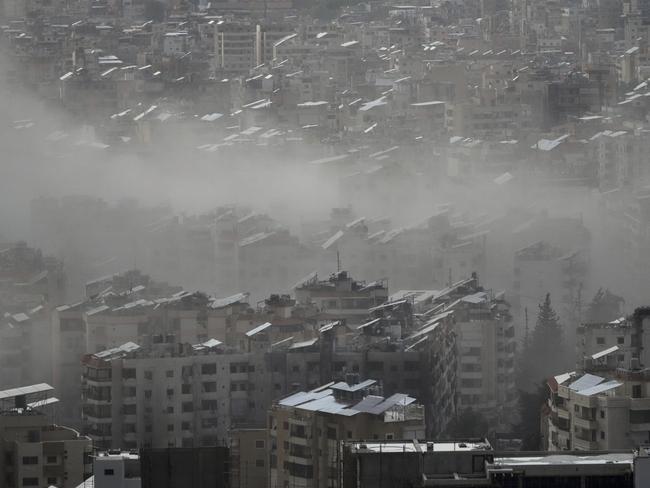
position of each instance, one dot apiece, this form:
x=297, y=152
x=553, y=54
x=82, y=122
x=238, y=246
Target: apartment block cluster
x=236, y=248
x=186, y=370
x=361, y=96
x=139, y=364
x=558, y=84
x=161, y=367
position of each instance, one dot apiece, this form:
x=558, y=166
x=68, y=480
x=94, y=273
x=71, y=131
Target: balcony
x=584, y=445
x=585, y=423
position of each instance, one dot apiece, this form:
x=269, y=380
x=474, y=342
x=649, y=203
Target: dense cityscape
x=324, y=243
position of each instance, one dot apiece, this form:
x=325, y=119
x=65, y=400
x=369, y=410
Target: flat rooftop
x=564, y=459
x=421, y=446
x=112, y=455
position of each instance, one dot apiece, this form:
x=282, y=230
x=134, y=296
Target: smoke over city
x=285, y=240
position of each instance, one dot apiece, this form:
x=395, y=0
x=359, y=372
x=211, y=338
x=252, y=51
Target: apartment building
x=484, y=121
x=419, y=362
x=592, y=412
x=625, y=339
x=168, y=394
x=341, y=296
x=172, y=395
x=270, y=261
x=240, y=46
x=418, y=256
x=606, y=403
x=117, y=313
x=305, y=429
x=30, y=279
x=23, y=359
x=485, y=341
x=541, y=267
x=36, y=451
x=249, y=457
x=115, y=469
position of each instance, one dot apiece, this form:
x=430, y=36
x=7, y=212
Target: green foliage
x=544, y=355
x=530, y=405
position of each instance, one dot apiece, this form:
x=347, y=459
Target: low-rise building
x=36, y=451
x=200, y=467
x=473, y=463
x=115, y=469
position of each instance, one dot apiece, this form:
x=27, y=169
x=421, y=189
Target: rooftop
x=421, y=446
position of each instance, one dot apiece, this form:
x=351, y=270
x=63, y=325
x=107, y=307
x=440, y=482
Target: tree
x=604, y=307
x=544, y=354
x=530, y=406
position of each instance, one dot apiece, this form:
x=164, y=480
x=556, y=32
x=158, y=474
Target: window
x=186, y=389
x=170, y=409
x=602, y=414
x=602, y=435
x=109, y=472
x=170, y=392
x=260, y=444
x=148, y=375
x=129, y=409
x=209, y=386
x=209, y=422
x=259, y=463
x=186, y=426
x=128, y=373
x=636, y=391
x=600, y=340
x=51, y=459
x=30, y=481
x=30, y=459
x=188, y=407
x=147, y=394
x=389, y=436
x=208, y=405
x=349, y=434
x=52, y=481
x=639, y=416
x=208, y=368
x=170, y=427
x=169, y=373
x=620, y=340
